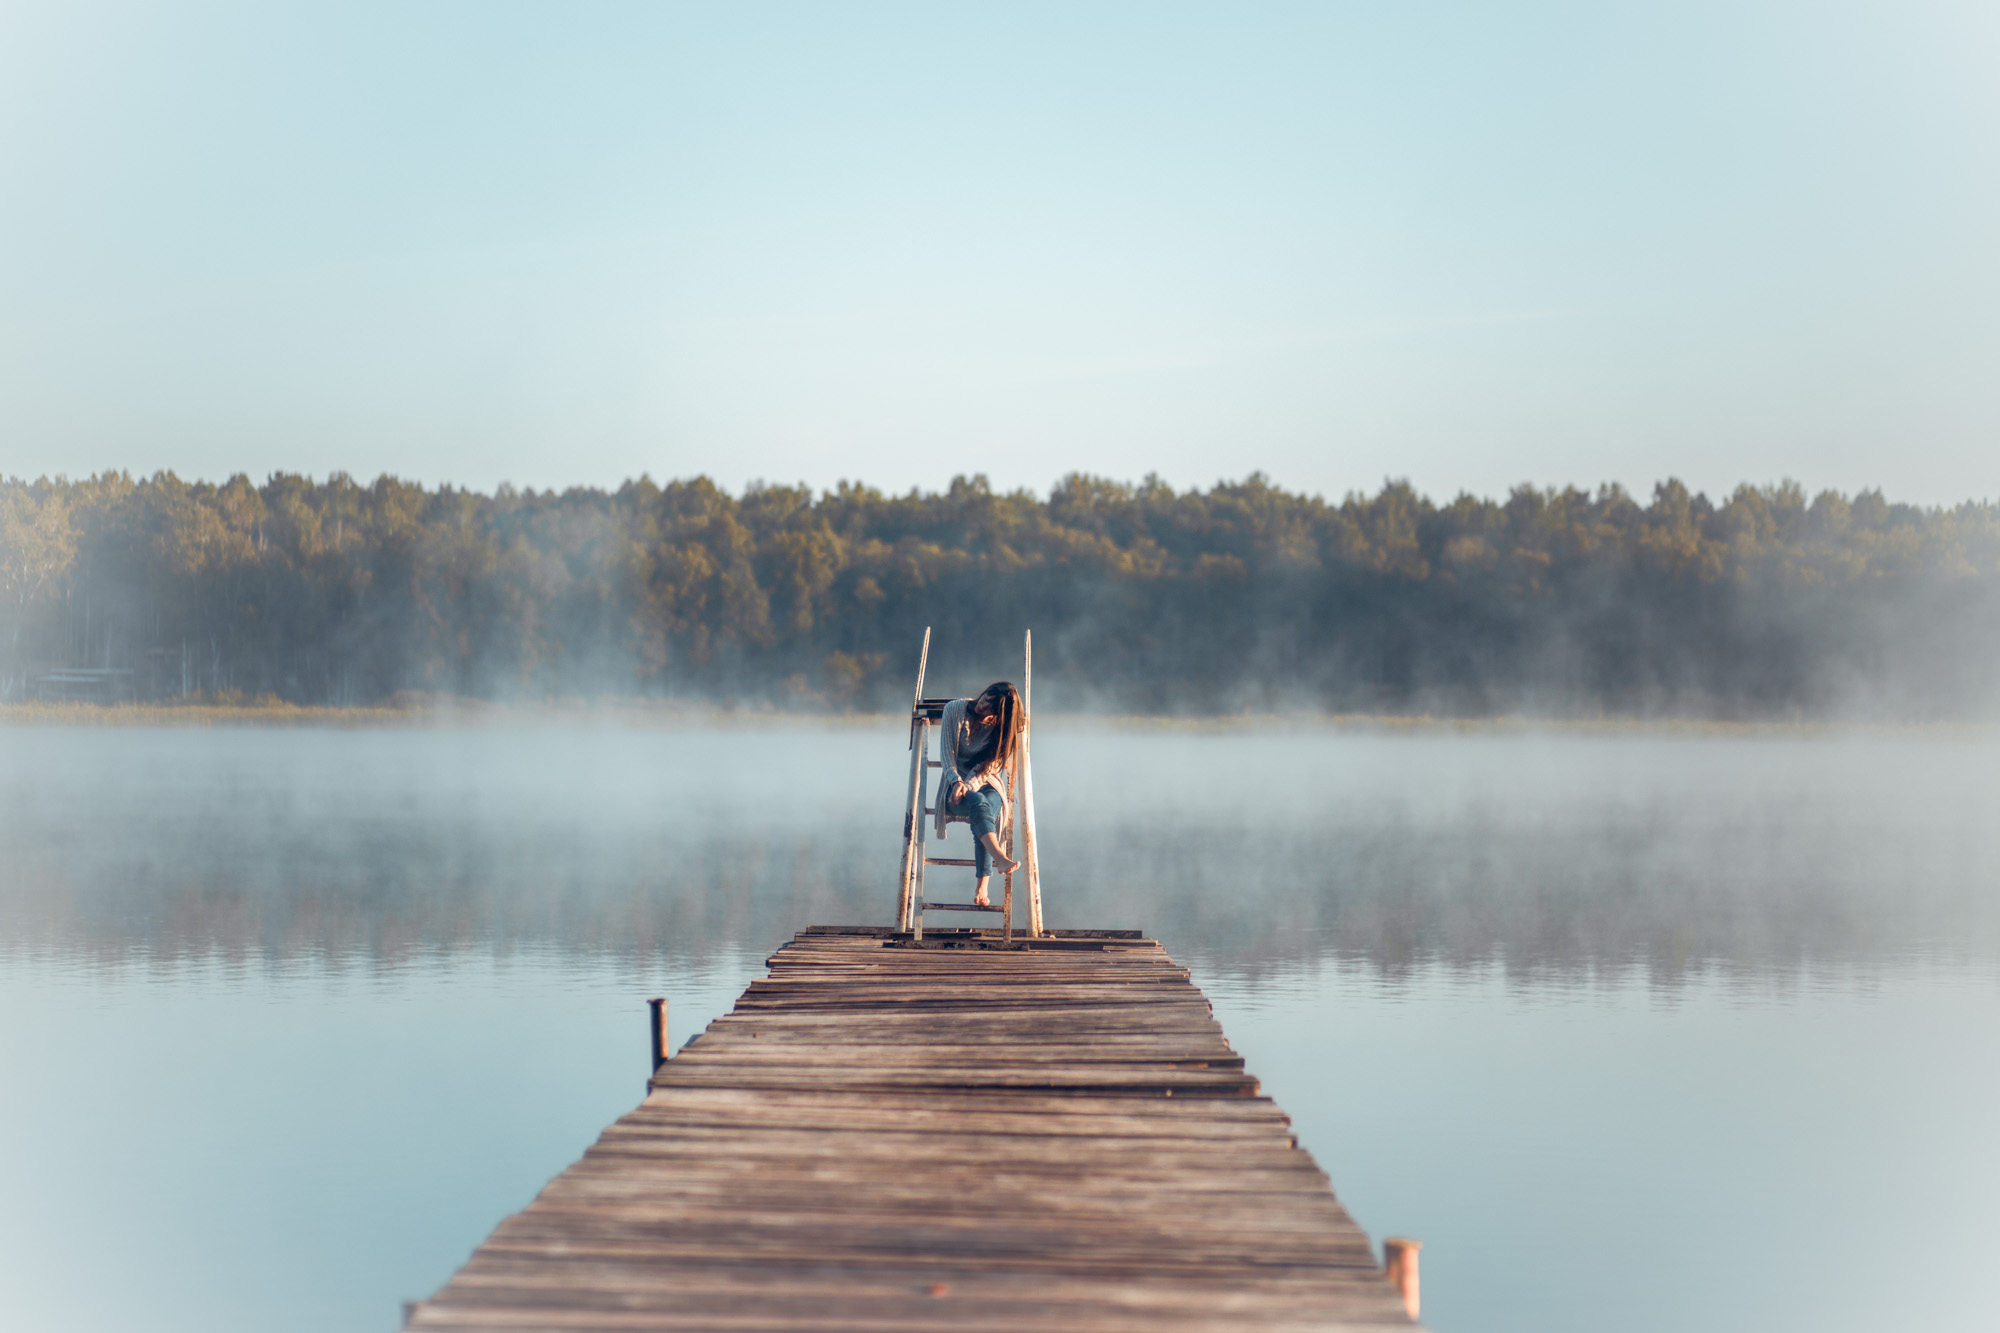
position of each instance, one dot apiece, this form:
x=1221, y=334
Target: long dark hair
x=1002, y=699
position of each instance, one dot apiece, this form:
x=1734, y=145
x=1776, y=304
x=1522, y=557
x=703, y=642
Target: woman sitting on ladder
x=980, y=739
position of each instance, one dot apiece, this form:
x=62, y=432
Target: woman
x=981, y=738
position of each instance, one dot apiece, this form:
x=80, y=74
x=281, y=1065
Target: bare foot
x=1007, y=867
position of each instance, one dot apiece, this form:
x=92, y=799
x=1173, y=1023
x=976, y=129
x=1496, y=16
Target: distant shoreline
x=464, y=714
x=1556, y=603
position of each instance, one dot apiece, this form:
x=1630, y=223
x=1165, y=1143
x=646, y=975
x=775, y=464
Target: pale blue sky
x=1468, y=244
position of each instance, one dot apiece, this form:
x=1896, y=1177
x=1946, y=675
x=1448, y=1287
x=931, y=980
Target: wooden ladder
x=926, y=716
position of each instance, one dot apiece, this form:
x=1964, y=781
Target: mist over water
x=351, y=996
x=1557, y=857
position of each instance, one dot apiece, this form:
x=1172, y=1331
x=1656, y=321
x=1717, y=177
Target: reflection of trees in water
x=1599, y=904
x=388, y=894
x=1370, y=888
x=1552, y=862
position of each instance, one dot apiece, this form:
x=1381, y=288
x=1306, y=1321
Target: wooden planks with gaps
x=883, y=1135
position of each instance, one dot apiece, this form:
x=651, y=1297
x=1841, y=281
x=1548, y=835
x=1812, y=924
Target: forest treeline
x=1142, y=597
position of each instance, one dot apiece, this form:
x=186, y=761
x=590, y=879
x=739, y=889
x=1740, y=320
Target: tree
x=38, y=543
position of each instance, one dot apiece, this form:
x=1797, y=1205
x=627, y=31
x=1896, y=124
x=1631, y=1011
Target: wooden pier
x=886, y=1134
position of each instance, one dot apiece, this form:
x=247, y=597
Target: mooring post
x=660, y=1052
x=1399, y=1265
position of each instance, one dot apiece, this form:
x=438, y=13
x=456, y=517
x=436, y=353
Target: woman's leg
x=986, y=834
x=975, y=811
x=991, y=844
x=982, y=810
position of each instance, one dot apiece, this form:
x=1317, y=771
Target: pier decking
x=1053, y=1135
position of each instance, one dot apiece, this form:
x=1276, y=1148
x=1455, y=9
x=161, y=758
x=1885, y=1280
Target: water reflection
x=1560, y=861
x=1583, y=1012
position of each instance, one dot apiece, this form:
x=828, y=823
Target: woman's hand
x=957, y=791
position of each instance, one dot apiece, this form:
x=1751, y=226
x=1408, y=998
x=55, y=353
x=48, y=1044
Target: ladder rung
x=961, y=907
x=949, y=861
x=933, y=763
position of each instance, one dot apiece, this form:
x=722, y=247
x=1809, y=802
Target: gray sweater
x=954, y=743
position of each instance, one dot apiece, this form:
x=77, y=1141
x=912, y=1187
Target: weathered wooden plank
x=1081, y=1109
x=1049, y=1135
x=947, y=1057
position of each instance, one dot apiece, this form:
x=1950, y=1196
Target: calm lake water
x=1636, y=1033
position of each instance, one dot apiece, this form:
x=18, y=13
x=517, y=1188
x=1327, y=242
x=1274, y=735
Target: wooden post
x=917, y=847
x=913, y=812
x=660, y=1048
x=923, y=662
x=913, y=808
x=1399, y=1265
x=1027, y=803
x=1013, y=838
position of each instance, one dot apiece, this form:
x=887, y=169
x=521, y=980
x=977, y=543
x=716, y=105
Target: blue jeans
x=982, y=808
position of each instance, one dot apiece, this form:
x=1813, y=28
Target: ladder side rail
x=917, y=701
x=1007, y=893
x=923, y=782
x=1027, y=781
x=913, y=815
x=913, y=858
x=1029, y=852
